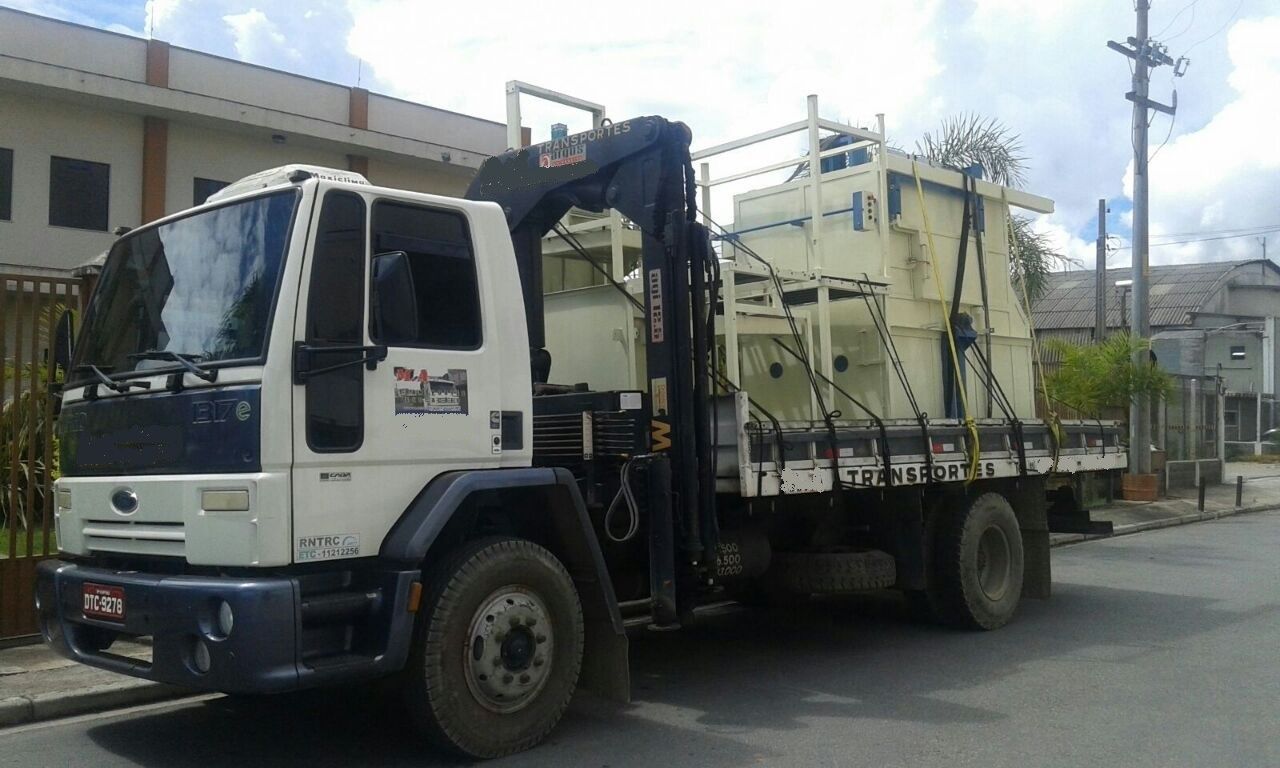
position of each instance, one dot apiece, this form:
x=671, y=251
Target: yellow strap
x=1055, y=423
x=975, y=444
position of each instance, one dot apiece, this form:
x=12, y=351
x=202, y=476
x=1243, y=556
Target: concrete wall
x=415, y=121
x=210, y=153
x=36, y=129
x=418, y=176
x=235, y=81
x=25, y=36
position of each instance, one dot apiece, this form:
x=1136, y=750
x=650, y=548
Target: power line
x=1218, y=31
x=1191, y=5
x=1204, y=239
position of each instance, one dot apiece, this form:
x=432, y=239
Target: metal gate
x=30, y=309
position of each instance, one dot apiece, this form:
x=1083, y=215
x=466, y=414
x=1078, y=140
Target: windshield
x=202, y=287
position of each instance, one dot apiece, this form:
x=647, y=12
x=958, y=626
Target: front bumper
x=273, y=645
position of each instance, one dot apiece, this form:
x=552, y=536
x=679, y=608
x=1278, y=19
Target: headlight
x=225, y=501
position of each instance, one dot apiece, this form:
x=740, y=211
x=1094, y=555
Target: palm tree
x=968, y=139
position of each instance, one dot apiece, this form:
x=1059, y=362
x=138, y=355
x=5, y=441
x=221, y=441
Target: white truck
x=309, y=437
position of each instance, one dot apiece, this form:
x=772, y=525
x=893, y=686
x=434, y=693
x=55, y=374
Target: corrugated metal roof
x=1176, y=290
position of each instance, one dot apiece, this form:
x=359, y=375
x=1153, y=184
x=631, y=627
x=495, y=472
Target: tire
x=834, y=572
x=477, y=683
x=977, y=564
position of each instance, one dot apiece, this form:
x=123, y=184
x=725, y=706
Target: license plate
x=104, y=602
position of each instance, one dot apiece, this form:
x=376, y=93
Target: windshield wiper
x=181, y=358
x=110, y=383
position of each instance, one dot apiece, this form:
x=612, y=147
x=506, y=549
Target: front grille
x=136, y=538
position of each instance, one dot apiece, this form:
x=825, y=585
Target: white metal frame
x=518, y=88
x=813, y=125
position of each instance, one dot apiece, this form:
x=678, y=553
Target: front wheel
x=497, y=649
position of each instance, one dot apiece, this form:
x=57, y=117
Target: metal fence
x=30, y=310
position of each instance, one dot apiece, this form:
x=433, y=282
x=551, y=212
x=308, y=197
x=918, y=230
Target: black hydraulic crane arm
x=642, y=169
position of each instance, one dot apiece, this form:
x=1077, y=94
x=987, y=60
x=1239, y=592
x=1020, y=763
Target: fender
x=605, y=664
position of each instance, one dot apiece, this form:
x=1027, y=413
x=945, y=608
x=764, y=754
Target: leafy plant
x=968, y=139
x=26, y=428
x=1093, y=378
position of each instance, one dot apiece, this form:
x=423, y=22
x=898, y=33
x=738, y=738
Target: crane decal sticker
x=420, y=392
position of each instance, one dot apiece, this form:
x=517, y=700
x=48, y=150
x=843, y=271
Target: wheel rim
x=994, y=563
x=507, y=659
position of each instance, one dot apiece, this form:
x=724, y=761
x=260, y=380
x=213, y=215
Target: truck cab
x=262, y=387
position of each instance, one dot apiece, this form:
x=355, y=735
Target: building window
x=203, y=188
x=438, y=245
x=6, y=184
x=1237, y=352
x=78, y=193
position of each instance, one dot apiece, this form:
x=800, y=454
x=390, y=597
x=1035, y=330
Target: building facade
x=1213, y=322
x=102, y=130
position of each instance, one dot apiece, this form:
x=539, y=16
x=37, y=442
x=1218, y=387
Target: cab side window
x=335, y=315
x=437, y=245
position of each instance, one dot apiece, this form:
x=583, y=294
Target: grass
x=37, y=543
x=1266, y=458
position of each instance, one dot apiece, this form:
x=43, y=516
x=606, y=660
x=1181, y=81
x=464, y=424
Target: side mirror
x=63, y=342
x=395, y=302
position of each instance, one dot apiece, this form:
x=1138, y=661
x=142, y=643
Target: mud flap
x=606, y=665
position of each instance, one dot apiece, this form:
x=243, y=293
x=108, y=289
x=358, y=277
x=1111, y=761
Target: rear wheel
x=497, y=649
x=977, y=564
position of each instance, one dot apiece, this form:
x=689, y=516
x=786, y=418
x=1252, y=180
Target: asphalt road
x=1158, y=649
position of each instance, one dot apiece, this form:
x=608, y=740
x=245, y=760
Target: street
x=1157, y=649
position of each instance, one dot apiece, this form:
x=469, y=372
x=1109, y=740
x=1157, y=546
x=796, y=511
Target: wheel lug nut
x=537, y=662
x=507, y=678
x=542, y=638
x=524, y=678
x=529, y=622
x=514, y=621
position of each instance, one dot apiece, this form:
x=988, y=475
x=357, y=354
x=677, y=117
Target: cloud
x=1041, y=68
x=257, y=37
x=1226, y=174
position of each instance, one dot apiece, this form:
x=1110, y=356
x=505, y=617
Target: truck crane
x=311, y=435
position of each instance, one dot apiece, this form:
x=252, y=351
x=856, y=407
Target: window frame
x=106, y=224
x=123, y=240
x=1243, y=355
x=6, y=185
x=475, y=270
x=310, y=265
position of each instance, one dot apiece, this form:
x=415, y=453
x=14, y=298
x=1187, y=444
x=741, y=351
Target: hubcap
x=509, y=648
x=994, y=563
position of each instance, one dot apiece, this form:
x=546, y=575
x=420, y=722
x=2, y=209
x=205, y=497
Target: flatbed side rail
x=799, y=460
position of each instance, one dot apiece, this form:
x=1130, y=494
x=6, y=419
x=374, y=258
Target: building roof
x=1176, y=291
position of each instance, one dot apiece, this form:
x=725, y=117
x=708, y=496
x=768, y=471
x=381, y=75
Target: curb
x=1061, y=540
x=17, y=710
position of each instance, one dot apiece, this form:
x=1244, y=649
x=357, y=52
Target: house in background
x=1210, y=322
x=102, y=130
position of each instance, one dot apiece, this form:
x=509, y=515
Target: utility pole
x=1263, y=240
x=1100, y=289
x=1146, y=54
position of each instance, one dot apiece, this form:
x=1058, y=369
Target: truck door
x=400, y=387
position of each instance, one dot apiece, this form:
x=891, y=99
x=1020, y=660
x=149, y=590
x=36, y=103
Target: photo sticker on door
x=418, y=391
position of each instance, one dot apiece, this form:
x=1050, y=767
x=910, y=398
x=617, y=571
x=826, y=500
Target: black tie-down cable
x=885, y=454
x=1002, y=401
x=828, y=417
x=777, y=431
x=881, y=323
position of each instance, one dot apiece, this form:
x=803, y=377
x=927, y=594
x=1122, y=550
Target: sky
x=1040, y=67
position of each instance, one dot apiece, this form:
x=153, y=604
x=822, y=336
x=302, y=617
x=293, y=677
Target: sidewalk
x=1261, y=492
x=36, y=684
